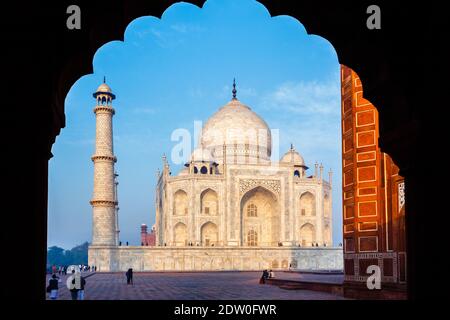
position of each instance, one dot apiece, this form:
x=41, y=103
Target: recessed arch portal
x=327, y=235
x=180, y=203
x=307, y=204
x=264, y=217
x=307, y=235
x=326, y=206
x=180, y=234
x=209, y=202
x=209, y=234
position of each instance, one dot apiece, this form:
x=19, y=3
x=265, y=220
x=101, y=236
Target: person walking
x=52, y=287
x=265, y=274
x=262, y=280
x=81, y=290
x=73, y=288
x=129, y=275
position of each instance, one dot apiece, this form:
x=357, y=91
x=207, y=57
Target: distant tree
x=56, y=256
x=77, y=255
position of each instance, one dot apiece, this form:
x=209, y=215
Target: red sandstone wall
x=373, y=220
x=148, y=239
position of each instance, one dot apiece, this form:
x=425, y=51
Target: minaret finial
x=234, y=89
x=292, y=146
x=104, y=79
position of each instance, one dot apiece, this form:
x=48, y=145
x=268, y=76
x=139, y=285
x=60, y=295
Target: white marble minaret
x=104, y=220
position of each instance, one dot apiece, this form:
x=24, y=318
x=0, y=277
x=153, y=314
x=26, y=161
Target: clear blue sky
x=172, y=71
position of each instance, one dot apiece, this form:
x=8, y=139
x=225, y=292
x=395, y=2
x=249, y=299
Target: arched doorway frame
x=243, y=213
x=337, y=22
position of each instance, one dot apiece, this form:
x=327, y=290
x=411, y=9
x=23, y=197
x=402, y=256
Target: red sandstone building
x=373, y=200
x=147, y=239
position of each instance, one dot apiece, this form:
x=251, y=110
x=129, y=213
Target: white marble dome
x=293, y=157
x=241, y=130
x=104, y=88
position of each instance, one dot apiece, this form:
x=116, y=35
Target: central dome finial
x=234, y=89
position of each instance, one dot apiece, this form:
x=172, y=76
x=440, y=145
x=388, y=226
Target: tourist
x=129, y=275
x=73, y=290
x=52, y=287
x=265, y=274
x=262, y=280
x=81, y=290
x=271, y=274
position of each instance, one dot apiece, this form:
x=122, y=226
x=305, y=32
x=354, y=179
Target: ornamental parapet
x=103, y=203
x=107, y=158
x=104, y=109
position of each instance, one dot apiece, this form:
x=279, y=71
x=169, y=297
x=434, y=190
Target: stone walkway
x=334, y=278
x=188, y=286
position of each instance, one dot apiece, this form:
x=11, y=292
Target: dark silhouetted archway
x=400, y=66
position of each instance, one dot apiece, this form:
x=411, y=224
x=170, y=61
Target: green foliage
x=77, y=255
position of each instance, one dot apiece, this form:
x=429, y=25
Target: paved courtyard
x=189, y=286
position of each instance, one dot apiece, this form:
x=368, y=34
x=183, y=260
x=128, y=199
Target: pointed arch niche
x=209, y=202
x=260, y=215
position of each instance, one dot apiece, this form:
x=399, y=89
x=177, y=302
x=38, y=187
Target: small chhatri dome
x=203, y=155
x=104, y=89
x=293, y=157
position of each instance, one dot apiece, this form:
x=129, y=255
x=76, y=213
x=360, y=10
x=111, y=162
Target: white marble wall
x=113, y=258
x=230, y=187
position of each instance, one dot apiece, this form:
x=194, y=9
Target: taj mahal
x=231, y=207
